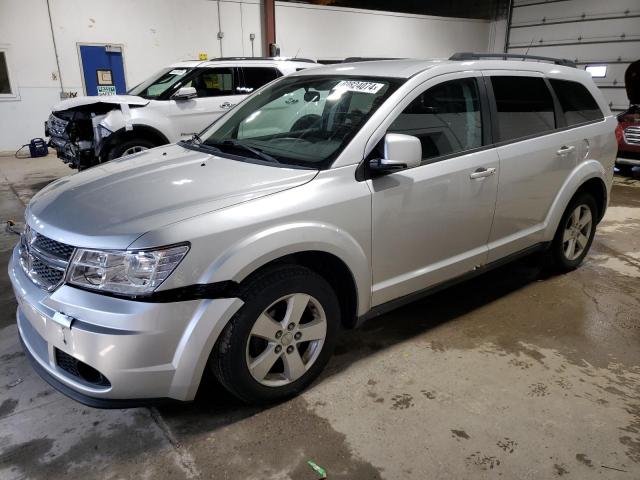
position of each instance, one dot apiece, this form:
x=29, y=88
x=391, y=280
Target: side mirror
x=185, y=93
x=400, y=152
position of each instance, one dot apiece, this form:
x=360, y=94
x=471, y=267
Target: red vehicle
x=628, y=130
x=628, y=135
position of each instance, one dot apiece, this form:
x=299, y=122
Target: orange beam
x=269, y=18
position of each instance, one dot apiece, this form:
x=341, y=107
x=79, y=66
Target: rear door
x=535, y=158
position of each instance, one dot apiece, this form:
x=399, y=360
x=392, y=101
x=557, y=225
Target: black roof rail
x=505, y=56
x=367, y=59
x=289, y=59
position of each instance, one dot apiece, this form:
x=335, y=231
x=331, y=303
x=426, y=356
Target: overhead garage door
x=591, y=32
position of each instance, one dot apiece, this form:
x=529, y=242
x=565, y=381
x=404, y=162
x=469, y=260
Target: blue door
x=103, y=69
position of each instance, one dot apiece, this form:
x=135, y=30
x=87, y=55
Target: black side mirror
x=311, y=96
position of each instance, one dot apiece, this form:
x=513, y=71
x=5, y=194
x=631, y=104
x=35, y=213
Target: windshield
x=305, y=121
x=159, y=83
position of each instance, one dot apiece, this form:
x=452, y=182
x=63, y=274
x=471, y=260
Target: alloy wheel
x=577, y=232
x=286, y=339
x=134, y=149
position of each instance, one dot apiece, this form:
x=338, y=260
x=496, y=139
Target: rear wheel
x=129, y=147
x=282, y=337
x=575, y=233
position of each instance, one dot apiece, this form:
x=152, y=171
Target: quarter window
x=256, y=77
x=524, y=104
x=446, y=118
x=213, y=82
x=577, y=103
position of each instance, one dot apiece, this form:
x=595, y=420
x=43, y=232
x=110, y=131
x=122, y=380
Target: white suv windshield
x=159, y=83
x=303, y=121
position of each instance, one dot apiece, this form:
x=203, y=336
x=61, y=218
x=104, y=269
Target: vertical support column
x=269, y=25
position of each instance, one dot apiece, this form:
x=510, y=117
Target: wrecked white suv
x=172, y=105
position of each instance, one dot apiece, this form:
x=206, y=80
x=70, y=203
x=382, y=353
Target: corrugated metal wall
x=591, y=32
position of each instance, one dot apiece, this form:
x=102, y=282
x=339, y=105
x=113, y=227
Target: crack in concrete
x=185, y=459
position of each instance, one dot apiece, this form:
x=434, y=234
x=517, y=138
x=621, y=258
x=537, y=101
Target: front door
x=432, y=223
x=217, y=92
x=102, y=70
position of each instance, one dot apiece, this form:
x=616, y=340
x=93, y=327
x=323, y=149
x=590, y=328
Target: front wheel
x=575, y=233
x=129, y=147
x=281, y=338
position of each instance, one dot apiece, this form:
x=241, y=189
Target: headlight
x=128, y=272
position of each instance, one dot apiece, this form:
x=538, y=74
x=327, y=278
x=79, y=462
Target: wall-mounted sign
x=104, y=90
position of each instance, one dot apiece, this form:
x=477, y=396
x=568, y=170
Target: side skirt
x=412, y=297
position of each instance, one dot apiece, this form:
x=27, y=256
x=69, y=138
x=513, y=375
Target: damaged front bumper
x=77, y=142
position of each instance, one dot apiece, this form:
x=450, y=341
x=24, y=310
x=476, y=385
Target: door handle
x=227, y=105
x=564, y=151
x=482, y=172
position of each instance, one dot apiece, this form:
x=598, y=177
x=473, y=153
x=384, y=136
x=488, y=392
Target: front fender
x=260, y=248
x=583, y=172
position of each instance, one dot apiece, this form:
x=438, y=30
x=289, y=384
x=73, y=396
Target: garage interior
x=516, y=374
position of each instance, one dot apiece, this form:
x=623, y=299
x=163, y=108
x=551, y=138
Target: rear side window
x=577, y=103
x=524, y=104
x=446, y=118
x=256, y=77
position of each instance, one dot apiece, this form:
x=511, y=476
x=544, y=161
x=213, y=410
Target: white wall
x=334, y=33
x=155, y=33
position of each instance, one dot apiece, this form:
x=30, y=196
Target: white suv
x=325, y=198
x=175, y=103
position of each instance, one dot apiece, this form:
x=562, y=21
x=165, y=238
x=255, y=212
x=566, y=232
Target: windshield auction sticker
x=362, y=87
x=177, y=72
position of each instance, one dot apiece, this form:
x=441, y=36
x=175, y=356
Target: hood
x=70, y=103
x=112, y=204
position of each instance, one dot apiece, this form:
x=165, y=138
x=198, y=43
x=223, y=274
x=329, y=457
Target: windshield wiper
x=235, y=144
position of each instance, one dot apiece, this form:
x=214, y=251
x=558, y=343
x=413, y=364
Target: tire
x=242, y=357
x=130, y=146
x=570, y=236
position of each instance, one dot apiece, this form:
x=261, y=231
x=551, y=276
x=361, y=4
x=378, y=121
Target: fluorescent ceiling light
x=597, y=71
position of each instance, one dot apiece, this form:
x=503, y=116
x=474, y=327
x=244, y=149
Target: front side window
x=160, y=83
x=256, y=77
x=305, y=121
x=446, y=118
x=578, y=105
x=213, y=82
x=524, y=104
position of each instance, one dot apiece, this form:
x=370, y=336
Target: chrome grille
x=632, y=135
x=43, y=260
x=57, y=126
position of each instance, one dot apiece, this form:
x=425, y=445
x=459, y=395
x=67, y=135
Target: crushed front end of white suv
x=175, y=103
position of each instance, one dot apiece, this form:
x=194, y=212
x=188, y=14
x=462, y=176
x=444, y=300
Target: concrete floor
x=514, y=374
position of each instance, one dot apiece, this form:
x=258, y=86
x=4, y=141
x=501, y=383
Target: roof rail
x=290, y=59
x=367, y=59
x=504, y=56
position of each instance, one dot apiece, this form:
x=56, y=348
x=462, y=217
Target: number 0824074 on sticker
x=357, y=86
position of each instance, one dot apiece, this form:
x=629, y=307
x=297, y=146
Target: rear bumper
x=146, y=351
x=628, y=158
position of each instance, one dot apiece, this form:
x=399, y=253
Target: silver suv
x=324, y=198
